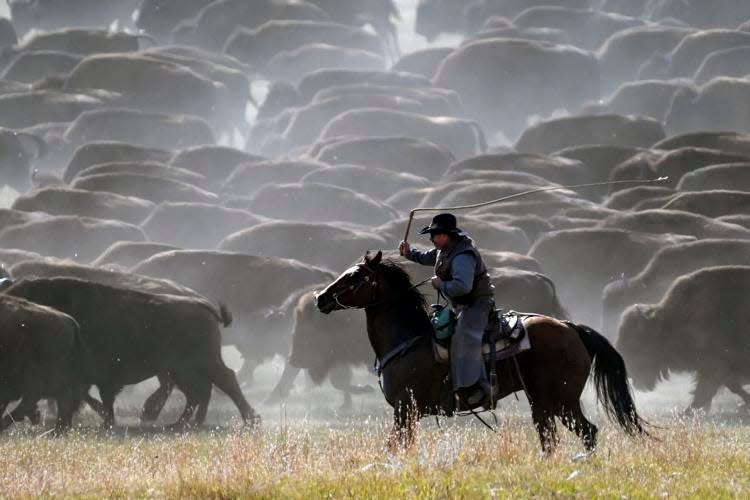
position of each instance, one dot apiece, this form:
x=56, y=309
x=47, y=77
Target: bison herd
x=181, y=175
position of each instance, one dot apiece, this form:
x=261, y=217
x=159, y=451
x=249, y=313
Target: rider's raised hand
x=403, y=248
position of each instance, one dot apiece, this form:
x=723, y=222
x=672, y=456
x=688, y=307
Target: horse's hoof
x=253, y=421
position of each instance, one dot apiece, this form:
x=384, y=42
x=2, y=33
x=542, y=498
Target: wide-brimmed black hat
x=442, y=223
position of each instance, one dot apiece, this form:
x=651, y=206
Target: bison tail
x=611, y=381
x=225, y=314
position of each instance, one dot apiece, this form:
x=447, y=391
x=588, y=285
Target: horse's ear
x=366, y=258
x=376, y=260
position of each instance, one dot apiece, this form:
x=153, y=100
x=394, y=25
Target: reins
x=522, y=194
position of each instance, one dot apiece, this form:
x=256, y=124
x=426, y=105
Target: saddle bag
x=443, y=321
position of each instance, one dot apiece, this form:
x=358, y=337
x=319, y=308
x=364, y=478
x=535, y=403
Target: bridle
x=355, y=288
x=370, y=278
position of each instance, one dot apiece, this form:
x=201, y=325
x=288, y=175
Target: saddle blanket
x=512, y=341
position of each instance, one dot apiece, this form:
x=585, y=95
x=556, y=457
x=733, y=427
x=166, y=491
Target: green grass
x=303, y=460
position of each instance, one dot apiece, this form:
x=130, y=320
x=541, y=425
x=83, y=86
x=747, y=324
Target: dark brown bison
x=44, y=106
x=554, y=169
x=98, y=153
x=126, y=254
x=713, y=203
x=283, y=95
x=323, y=79
x=728, y=62
x=66, y=201
x=599, y=161
x=668, y=264
x=214, y=23
x=721, y=104
x=521, y=77
x=321, y=244
x=423, y=62
x=250, y=285
x=614, y=130
x=216, y=68
x=659, y=221
x=50, y=14
x=312, y=202
x=132, y=336
x=372, y=181
x=247, y=178
x=728, y=142
x=625, y=52
x=209, y=224
x=301, y=126
x=11, y=256
x=650, y=98
x=160, y=17
x=258, y=46
x=696, y=327
x=716, y=14
x=148, y=187
x=69, y=237
x=82, y=41
x=31, y=66
x=152, y=169
x=587, y=28
x=582, y=261
x=687, y=56
x=672, y=164
x=12, y=217
x=215, y=163
x=627, y=199
x=404, y=154
x=141, y=79
x=40, y=357
x=147, y=129
x=729, y=176
x=381, y=15
x=293, y=65
x=50, y=268
x=464, y=138
x=526, y=291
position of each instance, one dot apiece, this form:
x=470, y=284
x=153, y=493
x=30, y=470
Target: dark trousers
x=467, y=364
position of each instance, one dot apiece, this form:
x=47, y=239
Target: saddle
x=504, y=337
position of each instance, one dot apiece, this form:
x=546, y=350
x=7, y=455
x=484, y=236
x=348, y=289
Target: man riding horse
x=461, y=277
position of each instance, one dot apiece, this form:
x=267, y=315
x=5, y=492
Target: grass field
x=348, y=460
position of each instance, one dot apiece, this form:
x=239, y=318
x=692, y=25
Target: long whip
x=522, y=194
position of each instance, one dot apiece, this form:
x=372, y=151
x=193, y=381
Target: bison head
x=641, y=342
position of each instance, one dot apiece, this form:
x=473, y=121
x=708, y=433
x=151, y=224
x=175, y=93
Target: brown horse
x=553, y=372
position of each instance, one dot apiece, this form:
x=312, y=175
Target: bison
x=132, y=335
x=41, y=356
x=698, y=326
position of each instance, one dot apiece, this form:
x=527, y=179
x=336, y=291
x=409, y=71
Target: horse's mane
x=410, y=305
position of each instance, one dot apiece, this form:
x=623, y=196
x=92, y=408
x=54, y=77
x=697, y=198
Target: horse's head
x=355, y=288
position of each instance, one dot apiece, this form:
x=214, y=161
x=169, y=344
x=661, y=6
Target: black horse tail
x=611, y=381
